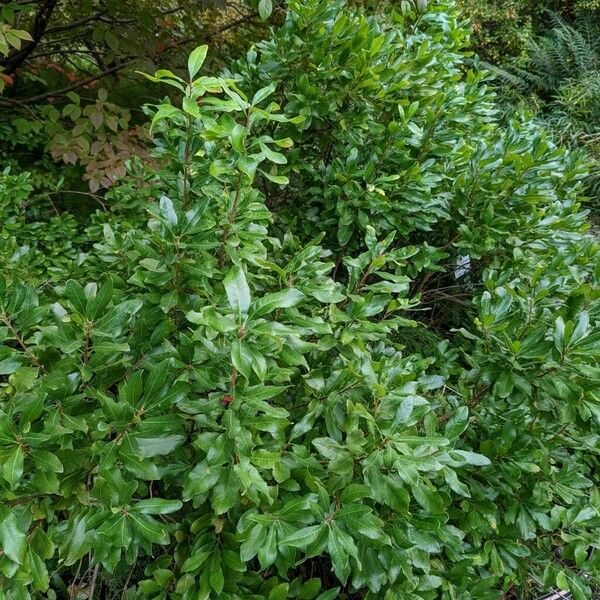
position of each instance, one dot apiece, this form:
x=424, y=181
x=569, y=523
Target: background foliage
x=59, y=64
x=332, y=331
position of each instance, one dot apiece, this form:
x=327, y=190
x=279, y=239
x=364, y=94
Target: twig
x=97, y=198
x=74, y=24
x=88, y=343
x=230, y=221
x=69, y=88
x=127, y=582
x=472, y=403
x=21, y=342
x=93, y=582
x=234, y=208
x=57, y=52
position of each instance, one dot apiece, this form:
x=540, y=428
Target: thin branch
x=24, y=106
x=95, y=197
x=26, y=351
x=104, y=19
x=47, y=194
x=171, y=11
x=237, y=22
x=230, y=220
x=69, y=88
x=222, y=29
x=74, y=24
x=93, y=582
x=234, y=208
x=76, y=67
x=59, y=52
x=97, y=54
x=126, y=586
x=67, y=38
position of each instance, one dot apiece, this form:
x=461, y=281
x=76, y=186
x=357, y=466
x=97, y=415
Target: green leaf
x=237, y=290
x=12, y=469
x=167, y=210
x=263, y=93
x=47, y=461
x=208, y=316
x=456, y=485
x=148, y=528
x=13, y=538
x=157, y=506
x=99, y=303
x=585, y=514
x=238, y=135
x=196, y=60
x=267, y=552
x=302, y=537
x=279, y=592
x=194, y=562
x=562, y=581
x=226, y=493
x=559, y=336
x=329, y=594
x=336, y=547
x=265, y=8
x=22, y=34
x=270, y=302
x=457, y=423
x=216, y=577
x=248, y=166
x=201, y=479
x=428, y=499
x=156, y=380
x=274, y=157
x=471, y=458
x=252, y=543
x=278, y=179
x=159, y=446
x=10, y=365
x=241, y=358
x=261, y=392
x=77, y=544
x=76, y=295
x=39, y=571
x=191, y=107
x=112, y=323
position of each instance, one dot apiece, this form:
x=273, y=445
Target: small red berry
x=226, y=400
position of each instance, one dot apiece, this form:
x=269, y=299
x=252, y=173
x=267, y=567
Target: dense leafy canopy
x=340, y=339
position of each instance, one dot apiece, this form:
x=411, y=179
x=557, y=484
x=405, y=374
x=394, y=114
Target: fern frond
x=567, y=52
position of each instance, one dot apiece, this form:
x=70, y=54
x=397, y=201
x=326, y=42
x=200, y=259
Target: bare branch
x=60, y=40
x=61, y=52
x=74, y=24
x=244, y=19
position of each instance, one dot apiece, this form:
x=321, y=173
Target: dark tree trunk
x=15, y=59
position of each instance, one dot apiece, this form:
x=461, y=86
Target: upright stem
x=85, y=357
x=186, y=164
x=230, y=220
x=234, y=208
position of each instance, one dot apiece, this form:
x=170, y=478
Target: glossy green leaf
x=196, y=60
x=237, y=290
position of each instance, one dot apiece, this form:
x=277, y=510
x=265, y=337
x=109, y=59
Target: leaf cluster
x=219, y=402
